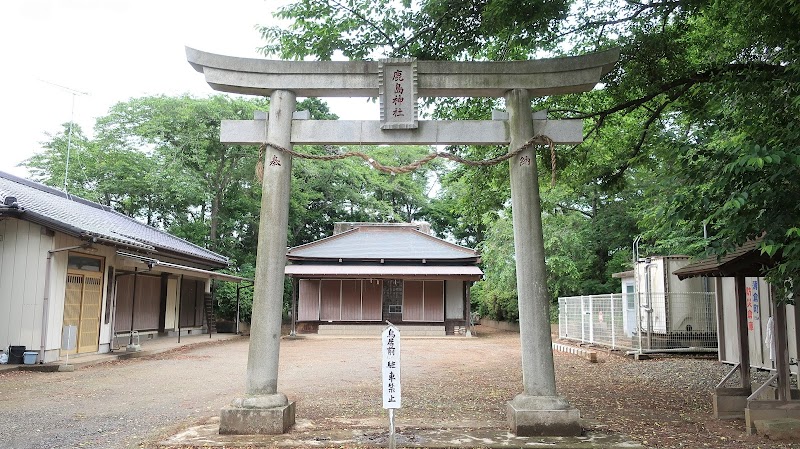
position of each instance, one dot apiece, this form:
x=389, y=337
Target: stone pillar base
x=257, y=415
x=543, y=416
x=729, y=403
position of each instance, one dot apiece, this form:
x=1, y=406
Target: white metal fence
x=640, y=321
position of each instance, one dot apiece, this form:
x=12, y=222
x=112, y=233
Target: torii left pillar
x=263, y=410
x=538, y=410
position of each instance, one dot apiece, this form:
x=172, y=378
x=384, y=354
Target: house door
x=629, y=298
x=82, y=300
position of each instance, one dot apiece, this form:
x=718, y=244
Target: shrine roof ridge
x=551, y=76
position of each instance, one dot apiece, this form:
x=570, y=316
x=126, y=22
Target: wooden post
x=781, y=352
x=744, y=343
x=295, y=292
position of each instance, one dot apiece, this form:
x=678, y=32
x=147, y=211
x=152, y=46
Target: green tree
x=117, y=177
x=195, y=172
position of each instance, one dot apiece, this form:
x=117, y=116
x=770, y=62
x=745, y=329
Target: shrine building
x=368, y=273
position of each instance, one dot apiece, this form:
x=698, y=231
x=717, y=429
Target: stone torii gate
x=538, y=410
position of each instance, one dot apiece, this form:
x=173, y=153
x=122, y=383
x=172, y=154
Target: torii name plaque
x=397, y=86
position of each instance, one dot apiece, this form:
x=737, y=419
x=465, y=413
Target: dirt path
x=446, y=383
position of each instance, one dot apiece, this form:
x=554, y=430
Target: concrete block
x=543, y=416
x=782, y=429
x=256, y=421
x=757, y=410
x=587, y=354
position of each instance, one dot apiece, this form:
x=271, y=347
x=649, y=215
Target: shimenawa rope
x=408, y=168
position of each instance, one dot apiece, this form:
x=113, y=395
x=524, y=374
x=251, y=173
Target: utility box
x=668, y=304
x=15, y=354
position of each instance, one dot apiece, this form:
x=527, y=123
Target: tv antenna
x=74, y=93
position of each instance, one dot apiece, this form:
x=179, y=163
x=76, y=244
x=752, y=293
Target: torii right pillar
x=538, y=410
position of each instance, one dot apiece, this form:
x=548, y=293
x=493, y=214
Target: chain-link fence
x=639, y=321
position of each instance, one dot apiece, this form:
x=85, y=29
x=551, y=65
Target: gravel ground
x=662, y=403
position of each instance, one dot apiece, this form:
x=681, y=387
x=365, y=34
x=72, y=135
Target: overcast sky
x=114, y=50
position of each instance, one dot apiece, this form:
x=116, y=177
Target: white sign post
x=69, y=340
x=391, y=375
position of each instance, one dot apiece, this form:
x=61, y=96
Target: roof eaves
x=747, y=260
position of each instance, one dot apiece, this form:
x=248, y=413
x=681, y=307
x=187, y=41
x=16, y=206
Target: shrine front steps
x=367, y=330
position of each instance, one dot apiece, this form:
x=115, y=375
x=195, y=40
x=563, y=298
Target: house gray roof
x=376, y=242
x=85, y=219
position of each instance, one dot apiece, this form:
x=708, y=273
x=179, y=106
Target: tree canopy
x=694, y=130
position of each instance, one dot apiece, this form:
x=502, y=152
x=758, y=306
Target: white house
x=68, y=261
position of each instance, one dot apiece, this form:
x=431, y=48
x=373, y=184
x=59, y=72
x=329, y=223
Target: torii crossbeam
x=538, y=410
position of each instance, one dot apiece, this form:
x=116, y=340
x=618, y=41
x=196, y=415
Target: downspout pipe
x=46, y=298
x=649, y=295
x=133, y=303
x=636, y=292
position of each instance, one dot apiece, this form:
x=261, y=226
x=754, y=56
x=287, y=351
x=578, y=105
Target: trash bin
x=15, y=354
x=29, y=357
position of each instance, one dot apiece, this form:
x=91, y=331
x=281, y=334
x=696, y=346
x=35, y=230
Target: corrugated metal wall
x=23, y=255
x=308, y=300
x=330, y=300
x=351, y=300
x=372, y=300
x=434, y=301
x=454, y=299
x=413, y=301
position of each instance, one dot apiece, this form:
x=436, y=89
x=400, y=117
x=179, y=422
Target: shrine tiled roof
x=376, y=242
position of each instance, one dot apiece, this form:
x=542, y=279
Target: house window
x=109, y=294
x=84, y=263
x=629, y=296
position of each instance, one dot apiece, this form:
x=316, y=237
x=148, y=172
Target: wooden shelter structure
x=742, y=401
